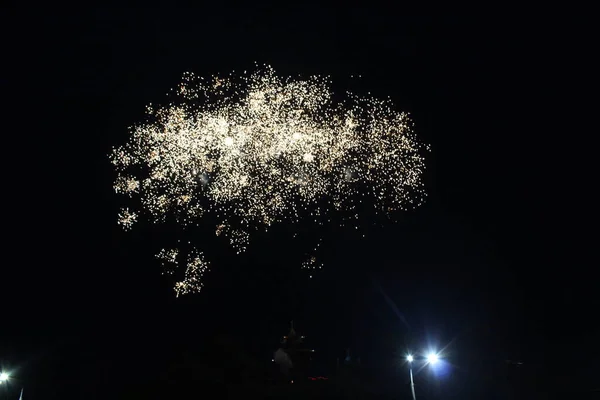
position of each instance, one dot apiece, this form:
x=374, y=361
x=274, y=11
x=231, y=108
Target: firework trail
x=257, y=149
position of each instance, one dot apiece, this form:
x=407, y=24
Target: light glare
x=432, y=358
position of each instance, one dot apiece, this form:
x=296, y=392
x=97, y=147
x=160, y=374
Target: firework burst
x=257, y=149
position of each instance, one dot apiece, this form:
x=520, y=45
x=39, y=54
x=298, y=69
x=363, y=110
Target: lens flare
x=432, y=358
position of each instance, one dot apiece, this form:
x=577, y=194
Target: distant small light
x=409, y=358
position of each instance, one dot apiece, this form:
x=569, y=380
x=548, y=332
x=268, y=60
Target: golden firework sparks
x=259, y=149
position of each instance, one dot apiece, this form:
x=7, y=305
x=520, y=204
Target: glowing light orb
x=432, y=358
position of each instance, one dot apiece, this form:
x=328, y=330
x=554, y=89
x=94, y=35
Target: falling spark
x=258, y=149
x=168, y=260
x=192, y=282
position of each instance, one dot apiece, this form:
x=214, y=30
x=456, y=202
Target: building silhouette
x=294, y=357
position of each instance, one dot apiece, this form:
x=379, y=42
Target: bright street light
x=432, y=358
x=3, y=376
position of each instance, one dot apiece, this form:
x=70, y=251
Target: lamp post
x=410, y=360
x=431, y=359
x=4, y=383
x=4, y=380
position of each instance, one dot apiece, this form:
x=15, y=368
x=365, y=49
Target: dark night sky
x=480, y=265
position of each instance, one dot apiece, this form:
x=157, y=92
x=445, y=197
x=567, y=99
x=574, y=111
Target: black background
x=484, y=265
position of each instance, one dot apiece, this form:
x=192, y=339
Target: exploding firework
x=258, y=149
